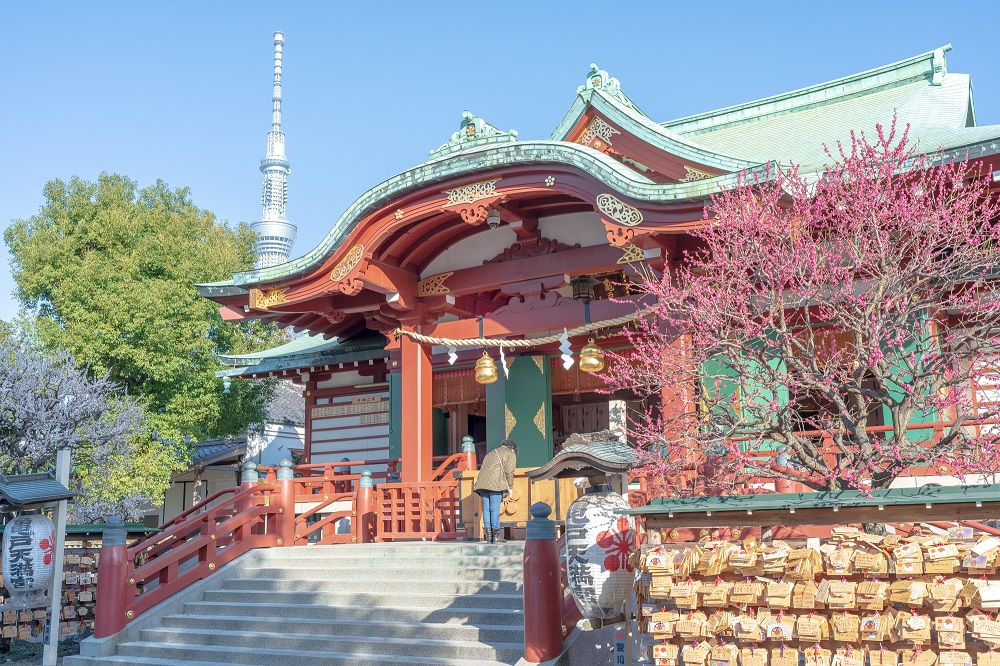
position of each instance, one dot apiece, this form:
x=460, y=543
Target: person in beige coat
x=496, y=478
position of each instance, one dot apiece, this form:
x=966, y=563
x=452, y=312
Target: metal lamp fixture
x=591, y=356
x=226, y=383
x=493, y=218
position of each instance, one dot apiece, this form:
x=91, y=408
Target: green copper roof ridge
x=930, y=56
x=646, y=129
x=820, y=499
x=616, y=176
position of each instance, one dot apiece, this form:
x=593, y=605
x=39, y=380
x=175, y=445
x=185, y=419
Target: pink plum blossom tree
x=824, y=323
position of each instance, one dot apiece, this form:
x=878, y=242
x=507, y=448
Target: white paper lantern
x=29, y=544
x=598, y=545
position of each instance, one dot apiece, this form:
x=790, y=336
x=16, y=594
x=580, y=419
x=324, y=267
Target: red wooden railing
x=328, y=503
x=418, y=510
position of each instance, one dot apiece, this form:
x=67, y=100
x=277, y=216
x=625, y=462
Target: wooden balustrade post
x=469, y=463
x=365, y=530
x=248, y=480
x=286, y=506
x=543, y=630
x=112, y=571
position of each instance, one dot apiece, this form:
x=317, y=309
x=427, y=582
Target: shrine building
x=505, y=238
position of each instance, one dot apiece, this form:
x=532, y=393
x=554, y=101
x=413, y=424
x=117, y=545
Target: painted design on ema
x=539, y=419
x=598, y=129
x=471, y=192
x=509, y=420
x=347, y=264
x=632, y=254
x=691, y=175
x=262, y=300
x=618, y=210
x=434, y=285
x=617, y=545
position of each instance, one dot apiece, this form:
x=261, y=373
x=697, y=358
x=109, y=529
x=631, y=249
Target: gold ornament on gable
x=434, y=285
x=262, y=300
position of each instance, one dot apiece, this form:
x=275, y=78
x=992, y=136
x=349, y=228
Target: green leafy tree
x=109, y=269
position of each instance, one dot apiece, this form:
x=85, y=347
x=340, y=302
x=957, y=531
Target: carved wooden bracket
x=475, y=212
x=618, y=235
x=263, y=300
x=344, y=276
x=522, y=250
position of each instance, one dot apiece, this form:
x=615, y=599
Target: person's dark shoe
x=498, y=536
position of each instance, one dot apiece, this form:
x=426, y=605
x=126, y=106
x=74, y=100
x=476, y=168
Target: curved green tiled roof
x=617, y=176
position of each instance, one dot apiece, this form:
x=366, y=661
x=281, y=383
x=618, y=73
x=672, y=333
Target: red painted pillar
x=248, y=481
x=543, y=637
x=286, y=517
x=365, y=531
x=112, y=572
x=417, y=413
x=469, y=451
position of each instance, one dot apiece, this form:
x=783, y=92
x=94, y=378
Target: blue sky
x=181, y=90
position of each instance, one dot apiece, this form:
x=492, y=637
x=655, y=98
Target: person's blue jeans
x=491, y=508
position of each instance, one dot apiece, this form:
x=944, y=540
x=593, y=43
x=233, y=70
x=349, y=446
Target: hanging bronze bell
x=591, y=357
x=486, y=370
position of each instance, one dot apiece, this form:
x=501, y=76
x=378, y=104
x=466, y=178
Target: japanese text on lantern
x=21, y=569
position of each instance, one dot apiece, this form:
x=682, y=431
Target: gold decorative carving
x=618, y=210
x=347, y=264
x=398, y=214
x=509, y=420
x=472, y=192
x=597, y=129
x=434, y=285
x=262, y=300
x=341, y=273
x=632, y=254
x=540, y=419
x=691, y=175
x=540, y=362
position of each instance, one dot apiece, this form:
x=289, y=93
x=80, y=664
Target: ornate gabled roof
x=473, y=131
x=640, y=126
x=590, y=454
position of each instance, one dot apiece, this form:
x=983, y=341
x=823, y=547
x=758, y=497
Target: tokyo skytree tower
x=275, y=234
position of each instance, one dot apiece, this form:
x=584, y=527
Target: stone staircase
x=357, y=605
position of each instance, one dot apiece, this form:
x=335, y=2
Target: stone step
x=306, y=571
x=137, y=661
x=336, y=584
x=388, y=628
x=318, y=644
x=452, y=615
x=396, y=599
x=410, y=550
x=253, y=656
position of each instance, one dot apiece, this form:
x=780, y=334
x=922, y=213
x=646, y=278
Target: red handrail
x=197, y=547
x=179, y=518
x=446, y=464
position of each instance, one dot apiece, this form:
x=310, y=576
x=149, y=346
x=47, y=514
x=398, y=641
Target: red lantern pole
x=543, y=637
x=112, y=572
